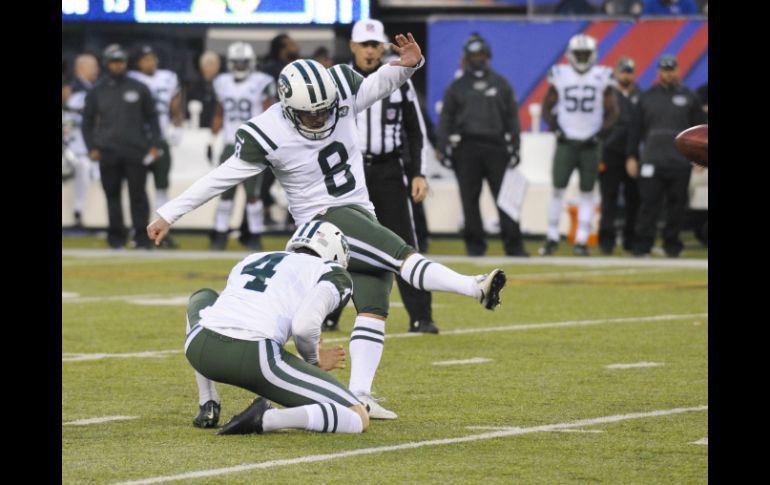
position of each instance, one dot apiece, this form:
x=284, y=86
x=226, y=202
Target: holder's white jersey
x=580, y=109
x=241, y=100
x=265, y=290
x=163, y=85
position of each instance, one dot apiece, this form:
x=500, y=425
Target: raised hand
x=408, y=49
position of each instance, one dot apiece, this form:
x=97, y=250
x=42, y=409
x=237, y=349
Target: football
x=693, y=143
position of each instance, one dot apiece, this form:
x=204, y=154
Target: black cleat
x=169, y=243
x=208, y=416
x=423, y=326
x=491, y=284
x=249, y=421
x=580, y=250
x=218, y=241
x=548, y=248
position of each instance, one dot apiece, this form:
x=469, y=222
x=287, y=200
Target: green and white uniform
x=238, y=337
x=241, y=101
x=163, y=85
x=323, y=179
x=580, y=114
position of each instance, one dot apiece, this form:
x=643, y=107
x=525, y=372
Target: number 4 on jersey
x=262, y=270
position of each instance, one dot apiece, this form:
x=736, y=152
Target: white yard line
x=105, y=419
x=460, y=331
x=417, y=444
x=68, y=357
x=474, y=360
x=704, y=441
x=633, y=366
x=593, y=262
x=553, y=431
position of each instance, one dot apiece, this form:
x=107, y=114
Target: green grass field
x=536, y=375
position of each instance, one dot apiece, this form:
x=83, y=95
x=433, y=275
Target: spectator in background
x=74, y=100
x=623, y=7
x=663, y=112
x=242, y=93
x=574, y=7
x=322, y=56
x=202, y=88
x=670, y=7
x=478, y=136
x=283, y=50
x=580, y=107
x=118, y=112
x=612, y=170
x=164, y=86
x=703, y=95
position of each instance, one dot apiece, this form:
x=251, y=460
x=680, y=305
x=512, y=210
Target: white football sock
x=206, y=390
x=366, y=343
x=554, y=214
x=254, y=217
x=222, y=218
x=585, y=211
x=424, y=274
x=324, y=418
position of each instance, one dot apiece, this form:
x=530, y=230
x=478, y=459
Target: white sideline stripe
x=68, y=294
x=525, y=326
x=632, y=366
x=704, y=441
x=537, y=326
x=152, y=353
x=175, y=300
x=552, y=431
x=413, y=445
x=92, y=299
x=474, y=360
x=592, y=262
x=105, y=419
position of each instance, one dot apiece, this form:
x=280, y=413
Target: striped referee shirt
x=380, y=126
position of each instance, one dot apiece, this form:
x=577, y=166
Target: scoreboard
x=216, y=11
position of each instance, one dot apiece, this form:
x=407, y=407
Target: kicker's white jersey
x=580, y=109
x=163, y=85
x=241, y=100
x=316, y=174
x=265, y=290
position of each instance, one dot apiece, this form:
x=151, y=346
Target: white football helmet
x=581, y=52
x=241, y=60
x=306, y=90
x=324, y=238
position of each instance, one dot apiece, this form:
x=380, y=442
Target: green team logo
x=284, y=87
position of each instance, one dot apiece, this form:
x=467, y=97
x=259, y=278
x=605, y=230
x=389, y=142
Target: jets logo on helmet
x=581, y=52
x=324, y=238
x=309, y=99
x=241, y=60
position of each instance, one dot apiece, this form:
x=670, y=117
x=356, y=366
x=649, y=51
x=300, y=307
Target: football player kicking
x=310, y=141
x=238, y=337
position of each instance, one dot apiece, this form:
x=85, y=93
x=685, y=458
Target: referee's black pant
x=476, y=160
x=115, y=168
x=667, y=187
x=611, y=176
x=390, y=192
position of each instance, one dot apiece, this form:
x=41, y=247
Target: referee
x=387, y=177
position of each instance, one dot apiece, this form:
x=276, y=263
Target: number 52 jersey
x=580, y=109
